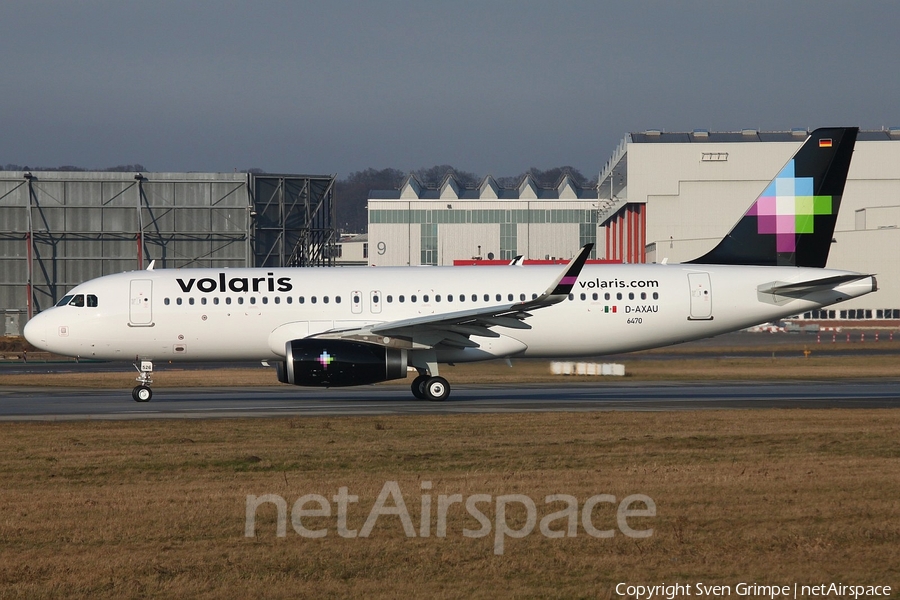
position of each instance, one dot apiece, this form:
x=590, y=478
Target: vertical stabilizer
x=792, y=221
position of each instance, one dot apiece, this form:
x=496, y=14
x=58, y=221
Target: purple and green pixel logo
x=787, y=207
x=325, y=359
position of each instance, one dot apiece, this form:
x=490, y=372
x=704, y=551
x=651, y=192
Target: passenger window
x=534, y=296
x=643, y=295
x=265, y=299
x=277, y=299
x=487, y=298
x=240, y=299
x=178, y=301
x=312, y=300
x=449, y=297
x=91, y=301
x=631, y=295
x=228, y=300
x=325, y=299
x=190, y=300
x=412, y=298
x=425, y=298
x=594, y=296
x=252, y=300
x=583, y=296
x=437, y=298
x=606, y=296
x=474, y=297
x=499, y=297
x=522, y=297
x=619, y=296
x=289, y=299
x=203, y=300
x=655, y=296
x=216, y=300
x=571, y=296
x=301, y=299
x=337, y=299
x=166, y=301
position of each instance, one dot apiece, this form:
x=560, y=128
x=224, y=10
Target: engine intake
x=335, y=363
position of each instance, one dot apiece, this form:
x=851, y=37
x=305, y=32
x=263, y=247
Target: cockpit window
x=78, y=300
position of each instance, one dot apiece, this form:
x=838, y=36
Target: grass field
x=157, y=509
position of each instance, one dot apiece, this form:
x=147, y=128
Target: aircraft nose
x=36, y=332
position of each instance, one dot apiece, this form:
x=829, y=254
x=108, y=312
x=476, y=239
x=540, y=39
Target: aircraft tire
x=418, y=387
x=437, y=389
x=141, y=393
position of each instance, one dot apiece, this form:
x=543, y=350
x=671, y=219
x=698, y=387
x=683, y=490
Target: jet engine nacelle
x=334, y=363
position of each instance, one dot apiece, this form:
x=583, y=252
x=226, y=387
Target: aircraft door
x=701, y=297
x=356, y=302
x=375, y=301
x=140, y=309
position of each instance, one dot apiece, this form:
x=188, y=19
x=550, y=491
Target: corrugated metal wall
x=59, y=229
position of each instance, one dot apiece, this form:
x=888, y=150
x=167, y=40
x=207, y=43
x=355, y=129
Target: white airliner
x=338, y=327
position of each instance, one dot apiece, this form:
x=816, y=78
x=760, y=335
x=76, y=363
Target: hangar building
x=661, y=196
x=418, y=225
x=61, y=228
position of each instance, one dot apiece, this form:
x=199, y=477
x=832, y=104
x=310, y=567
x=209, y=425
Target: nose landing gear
x=142, y=391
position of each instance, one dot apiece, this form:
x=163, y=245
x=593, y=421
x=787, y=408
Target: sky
x=490, y=87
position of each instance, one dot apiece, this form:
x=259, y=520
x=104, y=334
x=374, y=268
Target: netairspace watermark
x=751, y=590
x=560, y=523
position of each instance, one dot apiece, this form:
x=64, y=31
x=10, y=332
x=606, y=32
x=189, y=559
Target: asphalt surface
x=66, y=404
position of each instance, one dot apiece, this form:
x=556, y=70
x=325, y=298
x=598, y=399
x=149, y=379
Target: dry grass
x=785, y=365
x=156, y=509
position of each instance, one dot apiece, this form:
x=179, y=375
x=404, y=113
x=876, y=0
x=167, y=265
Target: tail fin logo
x=787, y=207
x=792, y=221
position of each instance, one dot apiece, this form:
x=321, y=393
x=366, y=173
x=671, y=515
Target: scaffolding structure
x=294, y=221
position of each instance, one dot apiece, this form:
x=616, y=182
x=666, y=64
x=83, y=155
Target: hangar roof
x=700, y=136
x=450, y=189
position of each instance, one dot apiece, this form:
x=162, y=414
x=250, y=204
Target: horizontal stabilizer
x=805, y=287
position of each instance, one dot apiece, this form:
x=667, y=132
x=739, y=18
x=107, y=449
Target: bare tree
x=352, y=194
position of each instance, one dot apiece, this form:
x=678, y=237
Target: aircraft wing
x=455, y=328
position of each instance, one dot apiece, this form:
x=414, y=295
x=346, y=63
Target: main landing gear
x=428, y=385
x=142, y=391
